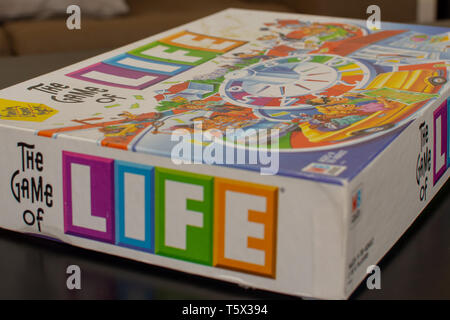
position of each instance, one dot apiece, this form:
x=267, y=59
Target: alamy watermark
x=374, y=280
x=374, y=20
x=235, y=146
x=74, y=279
x=73, y=22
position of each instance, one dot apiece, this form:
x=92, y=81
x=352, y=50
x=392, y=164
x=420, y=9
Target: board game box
x=277, y=151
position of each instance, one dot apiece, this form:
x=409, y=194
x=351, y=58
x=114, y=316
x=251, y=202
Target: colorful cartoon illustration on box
x=292, y=81
x=322, y=85
x=422, y=41
x=24, y=111
x=395, y=56
x=309, y=35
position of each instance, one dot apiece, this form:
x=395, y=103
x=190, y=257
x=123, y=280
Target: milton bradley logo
x=322, y=168
x=441, y=121
x=193, y=217
x=356, y=205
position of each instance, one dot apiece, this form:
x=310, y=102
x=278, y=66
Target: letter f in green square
x=184, y=215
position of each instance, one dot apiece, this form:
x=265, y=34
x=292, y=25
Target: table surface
x=417, y=267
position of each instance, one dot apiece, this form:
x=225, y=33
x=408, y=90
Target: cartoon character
x=387, y=100
x=121, y=130
x=312, y=35
x=325, y=100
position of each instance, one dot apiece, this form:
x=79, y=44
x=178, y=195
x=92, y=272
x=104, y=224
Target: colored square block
x=173, y=54
x=183, y=215
x=245, y=224
x=133, y=62
x=191, y=40
x=134, y=205
x=440, y=144
x=88, y=193
x=109, y=75
x=448, y=132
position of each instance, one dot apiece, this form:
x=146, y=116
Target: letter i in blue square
x=134, y=195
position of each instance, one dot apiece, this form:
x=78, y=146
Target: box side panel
x=329, y=243
x=269, y=232
x=389, y=194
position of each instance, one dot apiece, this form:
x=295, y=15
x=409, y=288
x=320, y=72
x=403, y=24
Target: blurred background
x=29, y=27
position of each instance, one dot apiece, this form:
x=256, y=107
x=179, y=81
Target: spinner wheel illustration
x=293, y=81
